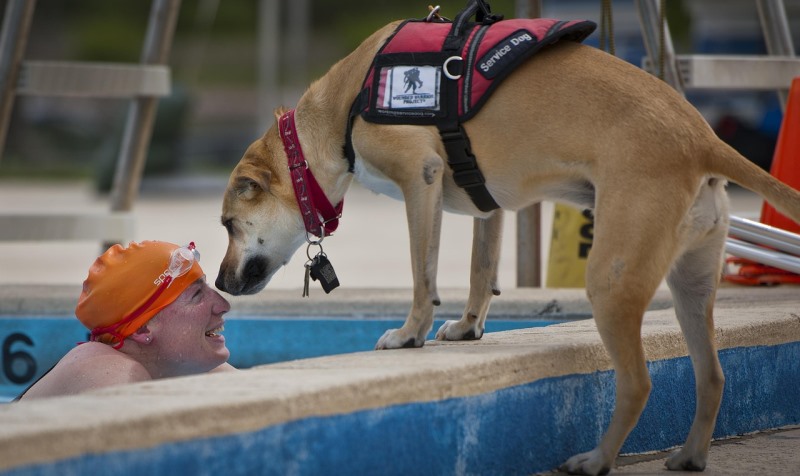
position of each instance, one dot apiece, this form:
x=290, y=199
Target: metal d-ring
x=434, y=13
x=308, y=249
x=322, y=237
x=444, y=67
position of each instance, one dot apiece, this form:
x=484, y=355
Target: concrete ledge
x=514, y=402
x=527, y=302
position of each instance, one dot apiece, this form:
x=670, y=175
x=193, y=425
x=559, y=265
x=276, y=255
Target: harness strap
x=462, y=161
x=359, y=105
x=466, y=173
x=460, y=158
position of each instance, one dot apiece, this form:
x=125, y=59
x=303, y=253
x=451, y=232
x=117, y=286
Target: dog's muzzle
x=252, y=279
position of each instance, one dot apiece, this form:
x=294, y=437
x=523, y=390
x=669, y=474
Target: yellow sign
x=571, y=241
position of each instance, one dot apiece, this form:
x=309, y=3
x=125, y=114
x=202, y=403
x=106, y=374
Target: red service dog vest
x=412, y=73
x=438, y=72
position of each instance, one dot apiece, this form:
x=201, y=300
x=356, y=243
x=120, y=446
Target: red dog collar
x=320, y=216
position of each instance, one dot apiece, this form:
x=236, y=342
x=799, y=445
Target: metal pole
x=529, y=220
x=761, y=234
x=269, y=37
x=298, y=22
x=142, y=110
x=651, y=22
x=762, y=255
x=14, y=39
x=528, y=8
x=529, y=247
x=777, y=36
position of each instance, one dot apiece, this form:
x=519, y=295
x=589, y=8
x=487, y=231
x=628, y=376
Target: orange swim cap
x=126, y=287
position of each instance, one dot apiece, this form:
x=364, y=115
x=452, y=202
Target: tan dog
x=598, y=132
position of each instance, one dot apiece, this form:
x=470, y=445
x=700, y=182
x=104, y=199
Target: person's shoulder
x=86, y=367
x=100, y=365
x=89, y=350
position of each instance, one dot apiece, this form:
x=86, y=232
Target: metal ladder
x=772, y=72
x=143, y=83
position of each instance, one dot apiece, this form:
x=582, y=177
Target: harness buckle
x=461, y=159
x=468, y=178
x=459, y=151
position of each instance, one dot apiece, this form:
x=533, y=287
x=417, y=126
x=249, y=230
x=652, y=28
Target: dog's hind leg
x=693, y=281
x=631, y=253
x=486, y=241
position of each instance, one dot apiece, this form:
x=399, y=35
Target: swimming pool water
x=30, y=345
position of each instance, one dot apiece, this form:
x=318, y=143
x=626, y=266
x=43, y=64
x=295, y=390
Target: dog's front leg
x=423, y=198
x=486, y=242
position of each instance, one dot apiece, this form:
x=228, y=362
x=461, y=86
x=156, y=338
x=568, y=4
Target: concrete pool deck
x=328, y=413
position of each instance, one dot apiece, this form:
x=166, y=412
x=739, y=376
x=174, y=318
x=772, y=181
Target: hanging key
x=321, y=270
x=308, y=265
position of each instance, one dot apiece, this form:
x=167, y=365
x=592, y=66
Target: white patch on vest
x=409, y=87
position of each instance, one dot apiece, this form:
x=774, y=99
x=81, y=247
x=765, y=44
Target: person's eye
x=198, y=294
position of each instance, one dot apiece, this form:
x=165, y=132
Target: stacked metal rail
x=764, y=244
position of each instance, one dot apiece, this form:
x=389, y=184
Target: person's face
x=186, y=335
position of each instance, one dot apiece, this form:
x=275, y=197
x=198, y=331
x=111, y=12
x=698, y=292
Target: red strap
x=113, y=328
x=319, y=215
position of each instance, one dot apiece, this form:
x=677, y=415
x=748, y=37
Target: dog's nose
x=251, y=280
x=255, y=270
x=220, y=281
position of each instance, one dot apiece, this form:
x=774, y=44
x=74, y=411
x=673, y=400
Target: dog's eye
x=228, y=224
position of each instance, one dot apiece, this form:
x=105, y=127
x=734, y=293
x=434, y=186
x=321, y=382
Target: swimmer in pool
x=151, y=315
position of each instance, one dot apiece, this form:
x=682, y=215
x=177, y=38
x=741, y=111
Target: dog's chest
x=373, y=180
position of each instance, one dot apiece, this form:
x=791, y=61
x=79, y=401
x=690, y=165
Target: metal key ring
x=308, y=249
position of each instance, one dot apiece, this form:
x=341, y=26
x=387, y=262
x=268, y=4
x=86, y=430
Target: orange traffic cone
x=786, y=161
x=786, y=168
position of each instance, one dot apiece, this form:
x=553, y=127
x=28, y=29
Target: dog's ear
x=279, y=112
x=250, y=181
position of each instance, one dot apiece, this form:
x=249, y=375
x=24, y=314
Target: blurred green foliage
x=113, y=30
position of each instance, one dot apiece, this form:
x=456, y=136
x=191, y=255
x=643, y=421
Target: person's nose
x=221, y=306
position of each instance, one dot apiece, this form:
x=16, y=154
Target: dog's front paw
x=591, y=463
x=681, y=460
x=398, y=339
x=459, y=330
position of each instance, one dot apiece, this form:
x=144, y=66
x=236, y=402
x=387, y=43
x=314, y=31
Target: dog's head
x=261, y=216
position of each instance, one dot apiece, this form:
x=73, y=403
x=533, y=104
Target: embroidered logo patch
x=409, y=87
x=505, y=52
